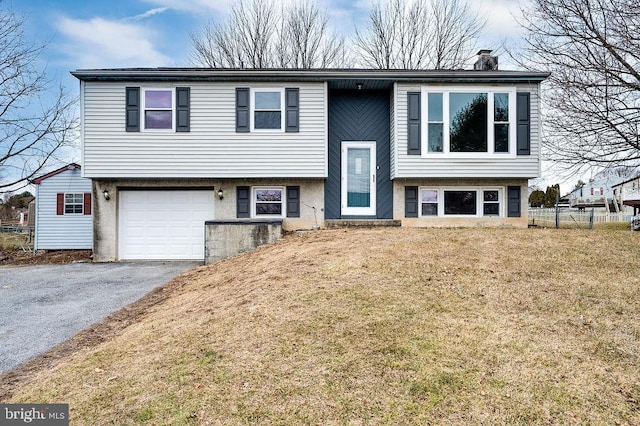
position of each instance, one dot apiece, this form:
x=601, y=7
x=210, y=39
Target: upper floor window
x=267, y=109
x=461, y=121
x=157, y=109
x=157, y=105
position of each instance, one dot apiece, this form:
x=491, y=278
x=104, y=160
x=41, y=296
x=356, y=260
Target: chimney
x=485, y=61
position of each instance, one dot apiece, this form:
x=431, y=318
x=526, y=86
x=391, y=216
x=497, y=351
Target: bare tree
x=436, y=34
x=244, y=40
x=309, y=41
x=31, y=133
x=251, y=37
x=592, y=49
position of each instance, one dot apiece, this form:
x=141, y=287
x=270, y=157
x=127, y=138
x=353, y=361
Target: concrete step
x=360, y=223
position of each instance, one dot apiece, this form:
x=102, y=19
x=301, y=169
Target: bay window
x=469, y=122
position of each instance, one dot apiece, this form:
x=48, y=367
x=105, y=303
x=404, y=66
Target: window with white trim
x=157, y=107
x=267, y=109
x=440, y=202
x=73, y=203
x=268, y=202
x=469, y=121
x=429, y=202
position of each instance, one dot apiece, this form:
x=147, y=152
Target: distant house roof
x=626, y=181
x=339, y=78
x=70, y=166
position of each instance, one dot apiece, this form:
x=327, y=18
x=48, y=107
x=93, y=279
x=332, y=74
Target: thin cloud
x=147, y=14
x=101, y=43
x=199, y=7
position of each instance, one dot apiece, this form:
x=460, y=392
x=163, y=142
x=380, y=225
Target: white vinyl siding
x=212, y=148
x=494, y=166
x=62, y=232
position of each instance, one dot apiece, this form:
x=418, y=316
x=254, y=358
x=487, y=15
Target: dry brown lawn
x=380, y=326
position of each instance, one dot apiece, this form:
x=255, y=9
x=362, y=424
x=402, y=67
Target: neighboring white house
x=598, y=193
x=627, y=193
x=63, y=210
x=170, y=148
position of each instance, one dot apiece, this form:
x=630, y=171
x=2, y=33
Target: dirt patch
x=43, y=257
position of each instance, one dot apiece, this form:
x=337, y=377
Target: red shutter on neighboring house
x=591, y=190
x=87, y=203
x=601, y=191
x=59, y=204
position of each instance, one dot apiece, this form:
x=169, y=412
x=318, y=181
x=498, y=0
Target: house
x=63, y=218
x=169, y=148
x=597, y=193
x=627, y=193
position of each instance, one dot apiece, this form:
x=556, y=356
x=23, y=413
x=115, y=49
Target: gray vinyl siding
x=62, y=232
x=392, y=130
x=212, y=148
x=412, y=166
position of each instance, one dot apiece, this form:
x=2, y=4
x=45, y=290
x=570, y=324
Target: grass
x=12, y=240
x=402, y=326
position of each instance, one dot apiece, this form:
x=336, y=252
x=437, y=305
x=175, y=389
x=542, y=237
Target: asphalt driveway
x=42, y=306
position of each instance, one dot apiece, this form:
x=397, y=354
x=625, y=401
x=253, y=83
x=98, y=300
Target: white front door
x=358, y=179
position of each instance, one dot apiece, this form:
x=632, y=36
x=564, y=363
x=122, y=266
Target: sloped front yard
x=401, y=326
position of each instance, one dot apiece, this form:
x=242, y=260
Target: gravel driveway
x=42, y=306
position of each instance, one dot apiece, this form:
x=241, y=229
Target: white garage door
x=163, y=225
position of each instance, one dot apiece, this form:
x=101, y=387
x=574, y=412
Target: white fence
x=574, y=218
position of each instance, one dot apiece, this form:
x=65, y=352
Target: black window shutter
x=183, y=106
x=413, y=123
x=523, y=114
x=293, y=201
x=243, y=202
x=292, y=117
x=410, y=201
x=133, y=109
x=242, y=109
x=513, y=201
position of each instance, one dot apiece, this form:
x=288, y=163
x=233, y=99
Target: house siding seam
x=212, y=148
x=62, y=232
x=410, y=166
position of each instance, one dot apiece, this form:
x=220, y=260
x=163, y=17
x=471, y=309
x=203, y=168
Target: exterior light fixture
x=220, y=194
x=359, y=86
x=106, y=194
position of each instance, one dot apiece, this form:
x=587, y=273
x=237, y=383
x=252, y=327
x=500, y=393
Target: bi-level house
x=169, y=148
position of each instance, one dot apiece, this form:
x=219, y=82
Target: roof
x=70, y=166
x=626, y=181
x=336, y=77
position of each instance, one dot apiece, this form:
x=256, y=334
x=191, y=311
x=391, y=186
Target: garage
x=163, y=224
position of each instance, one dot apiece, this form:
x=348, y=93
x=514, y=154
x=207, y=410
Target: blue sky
x=149, y=33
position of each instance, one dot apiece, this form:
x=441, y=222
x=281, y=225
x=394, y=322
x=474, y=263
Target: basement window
x=478, y=202
x=268, y=202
